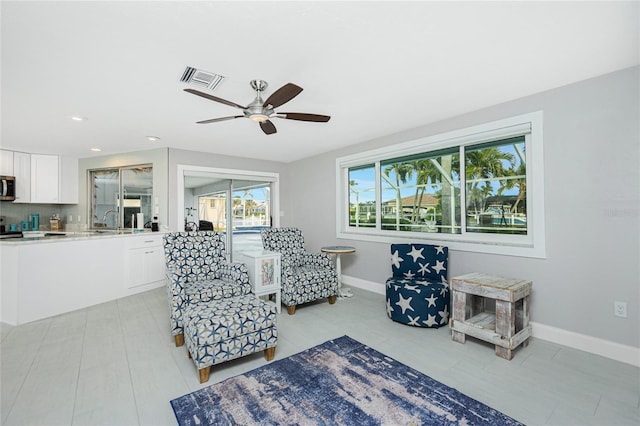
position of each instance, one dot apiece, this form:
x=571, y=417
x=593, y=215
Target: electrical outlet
x=620, y=309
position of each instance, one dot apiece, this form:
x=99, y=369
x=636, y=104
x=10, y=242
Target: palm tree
x=484, y=163
x=426, y=172
x=520, y=183
x=402, y=172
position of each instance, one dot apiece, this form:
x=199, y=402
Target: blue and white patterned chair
x=198, y=272
x=418, y=292
x=305, y=276
x=229, y=328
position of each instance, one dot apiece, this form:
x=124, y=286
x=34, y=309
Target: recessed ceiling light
x=96, y=149
x=153, y=138
x=78, y=118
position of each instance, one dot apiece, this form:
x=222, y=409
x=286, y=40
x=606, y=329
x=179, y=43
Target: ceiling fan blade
x=268, y=127
x=301, y=116
x=215, y=120
x=283, y=95
x=214, y=98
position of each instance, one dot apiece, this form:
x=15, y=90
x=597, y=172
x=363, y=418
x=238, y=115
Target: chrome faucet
x=104, y=218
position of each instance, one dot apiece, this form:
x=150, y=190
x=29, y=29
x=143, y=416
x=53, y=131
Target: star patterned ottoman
x=229, y=328
x=418, y=293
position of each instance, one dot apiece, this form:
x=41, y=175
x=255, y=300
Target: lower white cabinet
x=145, y=260
x=41, y=279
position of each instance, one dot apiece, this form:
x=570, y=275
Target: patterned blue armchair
x=198, y=272
x=305, y=276
x=418, y=293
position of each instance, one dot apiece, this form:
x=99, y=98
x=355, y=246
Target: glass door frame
x=233, y=174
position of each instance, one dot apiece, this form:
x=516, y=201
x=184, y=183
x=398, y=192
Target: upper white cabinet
x=6, y=163
x=45, y=171
x=54, y=179
x=68, y=180
x=22, y=172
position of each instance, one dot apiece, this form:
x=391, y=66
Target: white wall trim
x=594, y=345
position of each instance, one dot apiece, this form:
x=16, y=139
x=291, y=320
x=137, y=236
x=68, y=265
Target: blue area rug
x=340, y=382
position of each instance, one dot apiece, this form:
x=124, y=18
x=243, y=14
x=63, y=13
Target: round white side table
x=339, y=250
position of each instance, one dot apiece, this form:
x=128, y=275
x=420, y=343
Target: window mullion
x=378, y=196
x=463, y=191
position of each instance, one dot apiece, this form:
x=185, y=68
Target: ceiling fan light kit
x=262, y=111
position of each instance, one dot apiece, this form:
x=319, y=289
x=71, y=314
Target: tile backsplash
x=17, y=212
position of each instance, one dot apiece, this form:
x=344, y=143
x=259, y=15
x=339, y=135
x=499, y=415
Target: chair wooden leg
x=332, y=299
x=269, y=353
x=204, y=374
x=179, y=339
x=291, y=309
x=189, y=354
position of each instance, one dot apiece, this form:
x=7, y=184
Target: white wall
x=592, y=191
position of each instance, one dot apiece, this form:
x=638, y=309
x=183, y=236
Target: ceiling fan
x=261, y=111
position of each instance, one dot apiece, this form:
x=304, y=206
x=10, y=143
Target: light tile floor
x=116, y=364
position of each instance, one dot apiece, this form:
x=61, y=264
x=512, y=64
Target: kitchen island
x=42, y=276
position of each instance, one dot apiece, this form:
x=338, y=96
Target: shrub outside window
x=413, y=191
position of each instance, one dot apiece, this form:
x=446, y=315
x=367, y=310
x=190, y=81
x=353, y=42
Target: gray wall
x=592, y=198
x=193, y=158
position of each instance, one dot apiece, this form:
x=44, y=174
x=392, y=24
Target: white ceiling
x=376, y=67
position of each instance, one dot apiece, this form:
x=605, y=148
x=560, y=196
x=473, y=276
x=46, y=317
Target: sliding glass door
x=240, y=208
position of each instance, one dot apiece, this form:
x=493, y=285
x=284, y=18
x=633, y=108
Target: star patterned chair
x=305, y=276
x=418, y=293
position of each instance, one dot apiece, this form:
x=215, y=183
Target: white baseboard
x=594, y=345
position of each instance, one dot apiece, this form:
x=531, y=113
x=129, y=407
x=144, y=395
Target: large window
x=478, y=189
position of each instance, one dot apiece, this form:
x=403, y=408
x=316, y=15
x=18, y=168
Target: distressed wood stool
x=491, y=308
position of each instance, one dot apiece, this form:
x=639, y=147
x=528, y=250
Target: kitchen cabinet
x=44, y=278
x=6, y=162
x=44, y=178
x=54, y=179
x=145, y=261
x=22, y=172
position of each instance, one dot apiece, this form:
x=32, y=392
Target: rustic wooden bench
x=491, y=308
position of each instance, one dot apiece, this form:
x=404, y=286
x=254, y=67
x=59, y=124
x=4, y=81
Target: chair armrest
x=320, y=259
x=234, y=272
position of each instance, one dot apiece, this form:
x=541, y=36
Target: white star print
x=444, y=314
x=431, y=320
x=439, y=266
x=404, y=303
x=431, y=300
x=396, y=259
x=389, y=308
x=416, y=254
x=413, y=321
x=409, y=275
x=424, y=269
x=439, y=250
x=412, y=287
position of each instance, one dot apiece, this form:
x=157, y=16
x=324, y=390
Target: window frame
x=531, y=245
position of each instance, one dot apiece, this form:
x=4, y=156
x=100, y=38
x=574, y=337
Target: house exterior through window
x=477, y=189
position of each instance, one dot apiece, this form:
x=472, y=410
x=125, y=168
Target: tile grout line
x=126, y=351
x=75, y=399
x=30, y=366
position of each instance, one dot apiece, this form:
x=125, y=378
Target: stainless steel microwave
x=7, y=188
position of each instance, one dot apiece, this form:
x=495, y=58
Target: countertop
x=45, y=237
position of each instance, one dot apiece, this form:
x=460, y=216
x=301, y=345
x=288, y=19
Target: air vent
x=202, y=79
